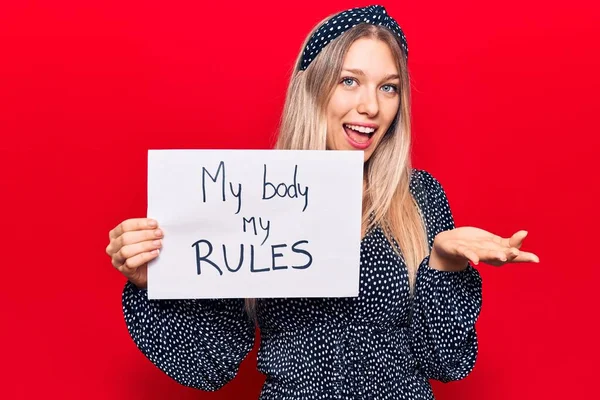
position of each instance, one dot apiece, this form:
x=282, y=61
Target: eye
x=390, y=88
x=347, y=81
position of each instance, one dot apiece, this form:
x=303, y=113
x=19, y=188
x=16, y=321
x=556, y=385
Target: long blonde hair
x=387, y=201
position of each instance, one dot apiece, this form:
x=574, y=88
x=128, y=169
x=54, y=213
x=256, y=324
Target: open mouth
x=359, y=136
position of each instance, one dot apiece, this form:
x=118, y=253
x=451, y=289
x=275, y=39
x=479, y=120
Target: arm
x=446, y=304
x=199, y=343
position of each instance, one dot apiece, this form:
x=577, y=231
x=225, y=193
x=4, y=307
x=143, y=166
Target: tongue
x=357, y=136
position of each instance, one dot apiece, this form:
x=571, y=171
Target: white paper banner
x=255, y=223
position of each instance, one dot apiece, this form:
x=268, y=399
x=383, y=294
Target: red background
x=504, y=102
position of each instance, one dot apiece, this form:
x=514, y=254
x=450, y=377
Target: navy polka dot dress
x=383, y=344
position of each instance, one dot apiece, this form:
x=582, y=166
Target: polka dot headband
x=340, y=23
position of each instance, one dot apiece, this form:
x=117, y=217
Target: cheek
x=389, y=108
x=389, y=111
x=375, y=144
x=339, y=105
x=379, y=137
x=334, y=115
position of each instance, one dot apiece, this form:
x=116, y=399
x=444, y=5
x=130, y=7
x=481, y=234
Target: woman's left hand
x=452, y=249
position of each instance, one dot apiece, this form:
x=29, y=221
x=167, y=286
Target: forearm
x=199, y=343
x=445, y=309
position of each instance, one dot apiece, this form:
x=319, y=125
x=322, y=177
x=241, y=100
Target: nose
x=368, y=103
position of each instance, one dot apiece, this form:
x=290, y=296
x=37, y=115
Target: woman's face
x=365, y=100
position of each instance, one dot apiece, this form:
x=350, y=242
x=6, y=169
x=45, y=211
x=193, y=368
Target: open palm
x=477, y=245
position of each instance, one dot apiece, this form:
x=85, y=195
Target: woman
x=419, y=299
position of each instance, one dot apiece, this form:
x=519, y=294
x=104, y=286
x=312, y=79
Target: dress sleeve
x=199, y=343
x=445, y=305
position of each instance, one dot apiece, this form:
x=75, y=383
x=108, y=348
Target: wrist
x=445, y=264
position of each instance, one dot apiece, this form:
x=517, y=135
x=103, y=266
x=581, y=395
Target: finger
x=513, y=256
x=115, y=263
x=490, y=254
x=133, y=237
x=499, y=240
x=468, y=254
x=512, y=253
x=492, y=248
x=133, y=224
x=516, y=240
x=109, y=248
x=132, y=250
x=525, y=256
x=477, y=251
x=132, y=264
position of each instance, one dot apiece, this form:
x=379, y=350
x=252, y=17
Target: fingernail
x=158, y=233
x=152, y=223
x=157, y=242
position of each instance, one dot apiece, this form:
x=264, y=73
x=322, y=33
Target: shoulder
x=423, y=182
x=431, y=199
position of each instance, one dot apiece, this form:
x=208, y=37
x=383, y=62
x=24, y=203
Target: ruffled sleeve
x=199, y=343
x=445, y=305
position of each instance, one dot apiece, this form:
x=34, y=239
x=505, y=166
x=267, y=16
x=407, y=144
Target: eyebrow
x=360, y=72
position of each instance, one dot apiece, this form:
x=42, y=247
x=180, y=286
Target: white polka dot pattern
x=341, y=22
x=199, y=343
x=383, y=344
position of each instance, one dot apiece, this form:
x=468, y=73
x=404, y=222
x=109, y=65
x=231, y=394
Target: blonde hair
x=387, y=201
